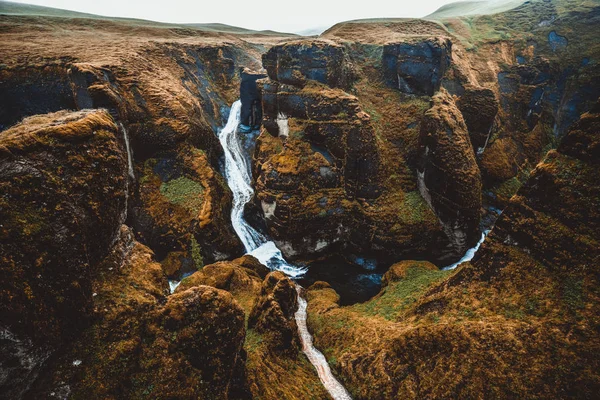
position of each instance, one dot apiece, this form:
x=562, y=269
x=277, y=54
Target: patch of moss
x=196, y=254
x=573, y=293
x=413, y=208
x=184, y=192
x=508, y=188
x=399, y=295
x=253, y=341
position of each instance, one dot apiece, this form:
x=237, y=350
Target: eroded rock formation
x=449, y=178
x=318, y=153
x=516, y=307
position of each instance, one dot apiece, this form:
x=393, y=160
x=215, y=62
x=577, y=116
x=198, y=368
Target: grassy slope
x=18, y=9
x=464, y=8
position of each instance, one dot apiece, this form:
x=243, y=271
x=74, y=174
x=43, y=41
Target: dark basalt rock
x=296, y=62
x=478, y=107
x=32, y=91
x=417, y=68
x=63, y=177
x=251, y=112
x=449, y=178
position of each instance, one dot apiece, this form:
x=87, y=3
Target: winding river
x=237, y=173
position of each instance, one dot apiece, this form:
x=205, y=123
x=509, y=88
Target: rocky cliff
x=528, y=302
x=392, y=141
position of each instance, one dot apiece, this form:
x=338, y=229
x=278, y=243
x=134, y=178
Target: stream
x=237, y=174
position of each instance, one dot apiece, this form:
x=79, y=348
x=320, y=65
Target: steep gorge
x=381, y=142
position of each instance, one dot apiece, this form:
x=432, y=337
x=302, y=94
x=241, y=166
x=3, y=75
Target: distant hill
x=11, y=8
x=464, y=8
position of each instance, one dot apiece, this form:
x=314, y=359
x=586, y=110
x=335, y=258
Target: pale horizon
x=312, y=14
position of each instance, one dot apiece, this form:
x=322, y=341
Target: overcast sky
x=281, y=15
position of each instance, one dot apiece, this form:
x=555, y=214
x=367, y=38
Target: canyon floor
x=396, y=208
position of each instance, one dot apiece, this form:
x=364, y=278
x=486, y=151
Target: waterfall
x=128, y=148
x=237, y=173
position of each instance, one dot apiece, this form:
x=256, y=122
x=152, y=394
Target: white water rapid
x=237, y=173
x=469, y=254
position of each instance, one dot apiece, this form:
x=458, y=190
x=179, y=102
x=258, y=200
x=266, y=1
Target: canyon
x=395, y=208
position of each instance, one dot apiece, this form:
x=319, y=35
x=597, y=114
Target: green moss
x=184, y=192
x=507, y=189
x=573, y=293
x=398, y=296
x=253, y=341
x=413, y=208
x=196, y=254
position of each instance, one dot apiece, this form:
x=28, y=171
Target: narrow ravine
x=237, y=174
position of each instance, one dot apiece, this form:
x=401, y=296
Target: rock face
x=317, y=153
x=449, y=178
x=29, y=91
x=44, y=160
x=528, y=301
x=479, y=108
x=64, y=184
x=296, y=62
x=273, y=312
x=251, y=112
x=417, y=68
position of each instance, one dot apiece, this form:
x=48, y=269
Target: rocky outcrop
x=317, y=153
x=189, y=345
x=479, y=108
x=297, y=62
x=243, y=274
x=208, y=326
x=399, y=271
x=272, y=343
x=417, y=67
x=527, y=302
x=449, y=178
x=64, y=183
x=273, y=312
x=51, y=238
